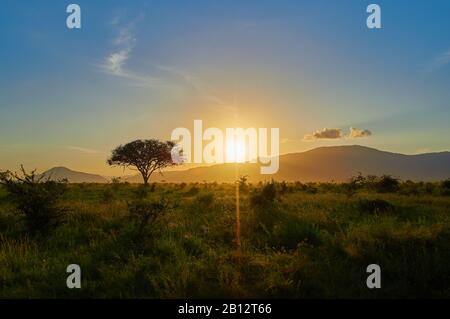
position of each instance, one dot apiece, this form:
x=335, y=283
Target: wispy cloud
x=199, y=86
x=115, y=63
x=440, y=61
x=124, y=44
x=83, y=150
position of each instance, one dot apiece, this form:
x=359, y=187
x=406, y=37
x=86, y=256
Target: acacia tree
x=145, y=156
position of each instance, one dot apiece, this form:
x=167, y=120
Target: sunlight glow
x=235, y=152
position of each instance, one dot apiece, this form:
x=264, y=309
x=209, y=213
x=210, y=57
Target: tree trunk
x=145, y=177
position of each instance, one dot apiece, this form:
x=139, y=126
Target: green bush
x=267, y=195
x=108, y=196
x=194, y=190
x=36, y=198
x=290, y=233
x=445, y=187
x=387, y=184
x=145, y=212
x=205, y=200
x=374, y=206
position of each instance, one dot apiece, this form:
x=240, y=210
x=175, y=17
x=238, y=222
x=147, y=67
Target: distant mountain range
x=58, y=173
x=324, y=164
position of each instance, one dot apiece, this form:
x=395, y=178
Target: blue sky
x=138, y=69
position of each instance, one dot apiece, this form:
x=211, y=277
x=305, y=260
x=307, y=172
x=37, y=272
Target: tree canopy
x=145, y=156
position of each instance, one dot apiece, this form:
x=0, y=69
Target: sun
x=235, y=152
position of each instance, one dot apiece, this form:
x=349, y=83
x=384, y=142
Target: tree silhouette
x=145, y=156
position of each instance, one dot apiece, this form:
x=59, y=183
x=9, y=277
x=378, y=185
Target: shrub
x=108, y=196
x=146, y=212
x=141, y=192
x=374, y=206
x=387, y=184
x=445, y=187
x=352, y=187
x=205, y=199
x=192, y=191
x=311, y=188
x=243, y=184
x=115, y=183
x=266, y=196
x=410, y=188
x=290, y=233
x=36, y=199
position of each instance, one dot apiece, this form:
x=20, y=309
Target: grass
x=301, y=244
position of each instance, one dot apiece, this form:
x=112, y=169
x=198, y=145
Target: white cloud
x=355, y=133
x=336, y=133
x=115, y=62
x=326, y=133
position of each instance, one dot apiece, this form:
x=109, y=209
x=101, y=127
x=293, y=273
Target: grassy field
x=297, y=241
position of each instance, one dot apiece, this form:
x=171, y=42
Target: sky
x=139, y=69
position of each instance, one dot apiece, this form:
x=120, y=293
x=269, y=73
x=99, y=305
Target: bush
x=311, y=188
x=374, y=206
x=410, y=188
x=445, y=187
x=387, y=184
x=352, y=187
x=115, y=183
x=36, y=199
x=146, y=212
x=289, y=234
x=205, y=200
x=266, y=196
x=192, y=191
x=108, y=196
x=243, y=184
x=141, y=192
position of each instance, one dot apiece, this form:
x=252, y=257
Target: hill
x=324, y=164
x=58, y=173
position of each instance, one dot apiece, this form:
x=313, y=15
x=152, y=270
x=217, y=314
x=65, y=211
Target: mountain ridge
x=61, y=172
x=322, y=164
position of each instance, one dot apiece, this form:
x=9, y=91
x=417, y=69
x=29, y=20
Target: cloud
x=125, y=42
x=199, y=86
x=355, y=133
x=115, y=62
x=326, y=133
x=440, y=61
x=84, y=150
x=336, y=133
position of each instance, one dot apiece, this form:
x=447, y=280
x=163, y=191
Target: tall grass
x=297, y=241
